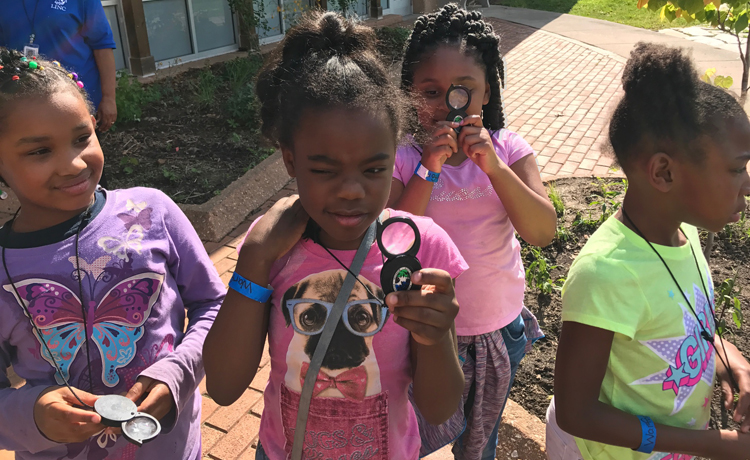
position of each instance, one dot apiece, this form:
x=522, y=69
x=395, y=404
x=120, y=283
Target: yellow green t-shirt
x=659, y=366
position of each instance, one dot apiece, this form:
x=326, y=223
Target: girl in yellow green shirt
x=638, y=350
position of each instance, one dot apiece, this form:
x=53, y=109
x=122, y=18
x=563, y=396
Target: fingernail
x=391, y=299
x=416, y=277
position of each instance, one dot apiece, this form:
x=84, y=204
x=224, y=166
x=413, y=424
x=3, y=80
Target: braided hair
x=666, y=107
x=21, y=78
x=465, y=29
x=325, y=61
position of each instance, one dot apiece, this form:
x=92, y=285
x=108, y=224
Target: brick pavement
x=559, y=94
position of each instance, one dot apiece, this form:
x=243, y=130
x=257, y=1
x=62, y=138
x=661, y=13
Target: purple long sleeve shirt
x=143, y=269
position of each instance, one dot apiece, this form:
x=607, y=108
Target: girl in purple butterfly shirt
x=95, y=286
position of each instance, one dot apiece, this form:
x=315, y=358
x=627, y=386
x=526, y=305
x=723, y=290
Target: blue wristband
x=426, y=174
x=648, y=439
x=249, y=289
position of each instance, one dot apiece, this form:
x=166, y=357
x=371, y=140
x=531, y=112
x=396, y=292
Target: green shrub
x=131, y=96
x=206, y=86
x=391, y=42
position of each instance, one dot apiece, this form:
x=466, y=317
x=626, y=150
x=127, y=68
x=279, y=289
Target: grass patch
x=620, y=11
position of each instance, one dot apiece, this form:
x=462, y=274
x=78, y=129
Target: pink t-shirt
x=464, y=203
x=360, y=407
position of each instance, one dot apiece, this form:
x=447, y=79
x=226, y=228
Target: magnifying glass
x=457, y=99
x=399, y=241
x=120, y=412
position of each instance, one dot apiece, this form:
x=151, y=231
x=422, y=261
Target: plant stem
x=709, y=246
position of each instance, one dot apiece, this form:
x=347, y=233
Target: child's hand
x=59, y=418
x=156, y=397
x=476, y=143
x=741, y=373
x=429, y=312
x=442, y=144
x=733, y=445
x=158, y=400
x=278, y=231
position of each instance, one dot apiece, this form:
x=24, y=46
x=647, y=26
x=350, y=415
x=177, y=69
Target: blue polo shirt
x=66, y=30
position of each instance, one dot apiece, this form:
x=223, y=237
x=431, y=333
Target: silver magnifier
x=120, y=412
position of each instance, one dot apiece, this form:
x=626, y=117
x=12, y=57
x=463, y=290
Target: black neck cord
x=316, y=239
x=85, y=215
x=704, y=333
x=32, y=21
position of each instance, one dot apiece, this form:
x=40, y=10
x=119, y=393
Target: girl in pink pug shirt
x=479, y=182
x=328, y=103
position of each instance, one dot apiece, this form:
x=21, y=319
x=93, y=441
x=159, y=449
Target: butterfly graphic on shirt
x=131, y=205
x=143, y=218
x=114, y=323
x=119, y=246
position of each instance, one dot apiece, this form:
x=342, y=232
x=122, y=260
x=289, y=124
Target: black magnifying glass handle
x=458, y=99
x=398, y=268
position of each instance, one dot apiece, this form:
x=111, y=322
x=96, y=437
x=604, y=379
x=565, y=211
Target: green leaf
x=656, y=5
x=668, y=13
x=723, y=82
x=741, y=23
x=736, y=319
x=693, y=6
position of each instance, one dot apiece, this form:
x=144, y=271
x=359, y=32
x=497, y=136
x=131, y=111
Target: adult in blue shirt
x=74, y=32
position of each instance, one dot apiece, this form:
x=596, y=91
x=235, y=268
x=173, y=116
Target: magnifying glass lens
x=141, y=428
x=398, y=238
x=458, y=98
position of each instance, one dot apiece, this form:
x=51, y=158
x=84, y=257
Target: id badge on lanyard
x=31, y=50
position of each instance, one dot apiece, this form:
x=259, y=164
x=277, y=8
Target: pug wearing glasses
x=350, y=368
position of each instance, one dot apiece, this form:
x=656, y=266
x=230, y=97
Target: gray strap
x=325, y=340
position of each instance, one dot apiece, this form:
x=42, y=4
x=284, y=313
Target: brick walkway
x=559, y=95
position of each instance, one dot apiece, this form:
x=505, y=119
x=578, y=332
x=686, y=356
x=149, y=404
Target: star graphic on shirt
x=691, y=422
x=674, y=378
x=671, y=294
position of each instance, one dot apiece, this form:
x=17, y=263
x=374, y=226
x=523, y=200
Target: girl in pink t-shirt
x=328, y=103
x=480, y=184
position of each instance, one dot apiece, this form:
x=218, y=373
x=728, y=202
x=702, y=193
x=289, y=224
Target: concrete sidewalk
x=619, y=39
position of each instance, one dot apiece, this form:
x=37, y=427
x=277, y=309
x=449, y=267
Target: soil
x=187, y=148
x=534, y=384
x=198, y=131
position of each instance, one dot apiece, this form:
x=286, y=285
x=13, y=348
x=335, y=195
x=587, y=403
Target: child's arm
x=414, y=195
x=582, y=358
x=741, y=373
x=235, y=343
x=202, y=292
x=428, y=314
x=519, y=186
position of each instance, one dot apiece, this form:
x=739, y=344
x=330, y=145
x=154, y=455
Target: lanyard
x=704, y=333
x=32, y=20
